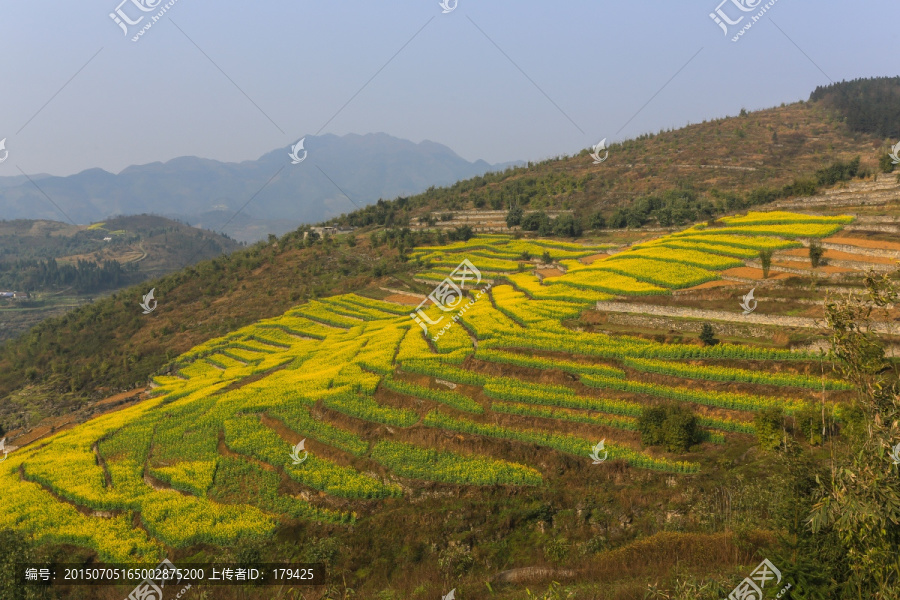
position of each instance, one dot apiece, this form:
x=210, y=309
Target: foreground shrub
x=673, y=426
x=769, y=424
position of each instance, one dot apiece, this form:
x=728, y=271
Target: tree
x=671, y=425
x=546, y=257
x=514, y=216
x=809, y=421
x=886, y=163
x=619, y=219
x=463, y=233
x=534, y=221
x=765, y=257
x=598, y=221
x=546, y=227
x=769, y=424
x=816, y=252
x=708, y=335
x=19, y=550
x=567, y=225
x=861, y=502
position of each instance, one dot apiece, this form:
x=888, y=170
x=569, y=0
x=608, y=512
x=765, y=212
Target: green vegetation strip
x=249, y=437
x=720, y=399
x=297, y=418
x=452, y=399
x=449, y=467
x=539, y=362
x=603, y=346
x=365, y=408
x=564, y=443
x=440, y=370
x=564, y=414
x=714, y=373
x=244, y=482
x=554, y=395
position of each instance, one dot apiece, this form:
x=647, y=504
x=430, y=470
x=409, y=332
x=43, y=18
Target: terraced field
x=362, y=382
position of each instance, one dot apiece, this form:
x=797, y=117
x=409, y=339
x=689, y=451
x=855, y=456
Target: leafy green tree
x=708, y=335
x=681, y=429
x=886, y=163
x=861, y=501
x=546, y=257
x=809, y=421
x=18, y=551
x=765, y=257
x=463, y=233
x=567, y=225
x=813, y=562
x=650, y=425
x=769, y=424
x=816, y=252
x=545, y=228
x=598, y=221
x=619, y=219
x=671, y=425
x=514, y=216
x=535, y=221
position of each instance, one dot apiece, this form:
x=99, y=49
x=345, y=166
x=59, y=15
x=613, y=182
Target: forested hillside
x=675, y=177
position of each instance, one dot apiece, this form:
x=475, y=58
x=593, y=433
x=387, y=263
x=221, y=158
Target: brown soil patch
x=752, y=273
x=46, y=427
x=21, y=438
x=593, y=258
x=121, y=397
x=708, y=285
x=837, y=255
x=405, y=299
x=862, y=243
x=550, y=273
x=796, y=264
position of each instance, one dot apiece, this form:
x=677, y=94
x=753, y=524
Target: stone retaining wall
x=722, y=315
x=879, y=252
x=688, y=327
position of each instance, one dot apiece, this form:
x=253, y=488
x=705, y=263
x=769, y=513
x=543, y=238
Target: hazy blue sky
x=301, y=61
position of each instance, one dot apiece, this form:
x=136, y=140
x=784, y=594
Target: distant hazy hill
x=63, y=266
x=208, y=192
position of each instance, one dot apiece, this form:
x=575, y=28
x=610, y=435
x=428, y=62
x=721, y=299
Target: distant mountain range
x=338, y=175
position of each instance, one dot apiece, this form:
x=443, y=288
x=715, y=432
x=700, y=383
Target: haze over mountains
x=207, y=193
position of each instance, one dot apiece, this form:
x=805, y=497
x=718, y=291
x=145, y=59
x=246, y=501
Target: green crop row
x=435, y=368
x=248, y=436
x=540, y=362
x=721, y=399
x=449, y=467
x=714, y=373
x=564, y=443
x=451, y=399
x=367, y=409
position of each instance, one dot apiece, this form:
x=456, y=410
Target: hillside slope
x=791, y=151
x=692, y=173
x=66, y=362
x=501, y=400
